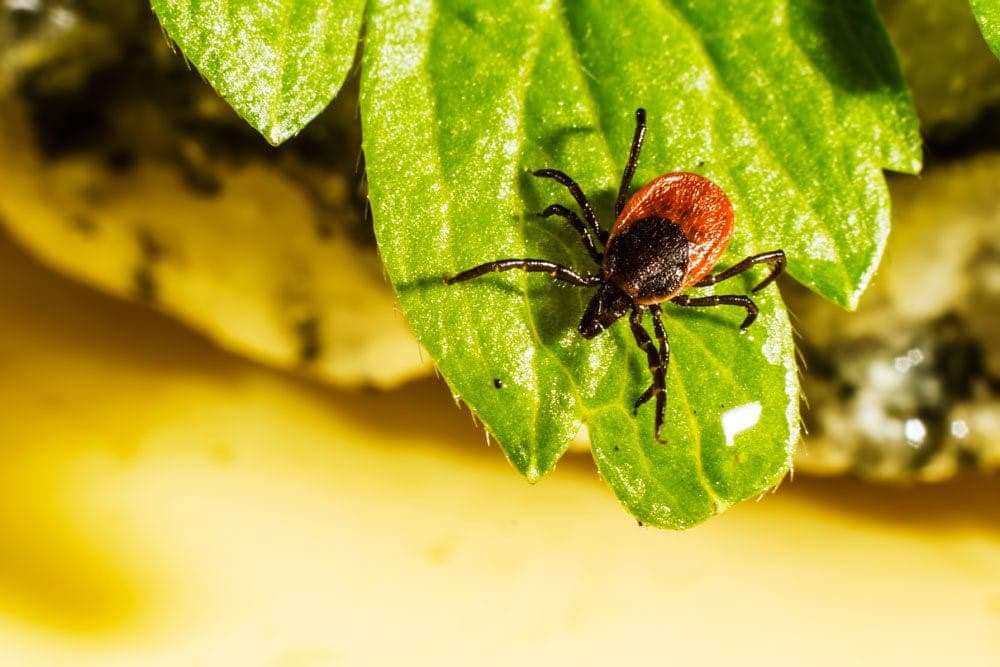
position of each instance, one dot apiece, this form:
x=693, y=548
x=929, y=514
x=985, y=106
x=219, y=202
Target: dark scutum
x=648, y=258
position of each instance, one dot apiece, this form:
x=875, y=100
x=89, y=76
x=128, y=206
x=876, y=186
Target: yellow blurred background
x=167, y=503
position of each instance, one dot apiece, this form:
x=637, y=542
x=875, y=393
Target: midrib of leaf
x=647, y=464
x=694, y=428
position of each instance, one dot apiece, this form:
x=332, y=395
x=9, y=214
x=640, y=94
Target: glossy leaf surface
x=278, y=63
x=988, y=16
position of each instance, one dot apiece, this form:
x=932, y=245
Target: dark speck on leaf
x=498, y=383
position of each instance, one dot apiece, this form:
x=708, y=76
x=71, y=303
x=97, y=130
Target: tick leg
x=722, y=300
x=775, y=257
x=581, y=199
x=661, y=395
x=664, y=360
x=574, y=219
x=646, y=395
x=557, y=271
x=633, y=160
x=657, y=361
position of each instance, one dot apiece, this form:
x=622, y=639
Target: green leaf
x=792, y=110
x=988, y=16
x=278, y=63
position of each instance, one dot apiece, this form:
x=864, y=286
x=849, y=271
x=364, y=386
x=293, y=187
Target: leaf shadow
x=966, y=502
x=553, y=143
x=714, y=316
x=422, y=283
x=831, y=34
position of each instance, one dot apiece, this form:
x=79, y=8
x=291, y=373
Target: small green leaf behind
x=988, y=16
x=278, y=63
x=794, y=111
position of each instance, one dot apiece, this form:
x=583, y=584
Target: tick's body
x=666, y=239
x=696, y=205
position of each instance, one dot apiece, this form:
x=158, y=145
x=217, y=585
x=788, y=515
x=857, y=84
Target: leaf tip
x=532, y=473
x=277, y=134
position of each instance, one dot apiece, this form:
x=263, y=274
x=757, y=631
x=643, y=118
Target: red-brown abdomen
x=697, y=205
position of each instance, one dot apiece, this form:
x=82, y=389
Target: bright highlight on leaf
x=277, y=62
x=988, y=16
x=793, y=110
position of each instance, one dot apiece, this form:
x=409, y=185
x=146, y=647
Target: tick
x=666, y=239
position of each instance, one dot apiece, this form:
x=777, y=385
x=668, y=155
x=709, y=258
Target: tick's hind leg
x=775, y=257
x=777, y=260
x=556, y=271
x=658, y=360
x=573, y=219
x=722, y=300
